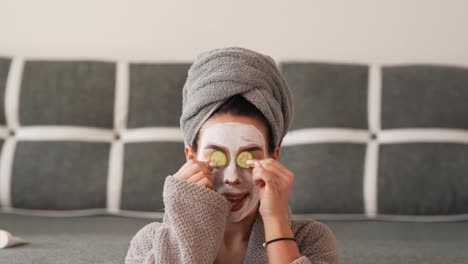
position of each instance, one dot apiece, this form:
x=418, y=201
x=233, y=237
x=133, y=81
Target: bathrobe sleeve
x=191, y=231
x=316, y=242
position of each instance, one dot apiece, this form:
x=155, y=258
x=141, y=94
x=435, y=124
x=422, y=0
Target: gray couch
x=380, y=155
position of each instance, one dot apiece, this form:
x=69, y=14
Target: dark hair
x=239, y=106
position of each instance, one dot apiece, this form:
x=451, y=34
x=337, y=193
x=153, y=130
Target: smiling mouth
x=236, y=200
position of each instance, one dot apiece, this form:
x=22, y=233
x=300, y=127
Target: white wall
x=367, y=31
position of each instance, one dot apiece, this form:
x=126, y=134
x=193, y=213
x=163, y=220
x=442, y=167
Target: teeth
x=235, y=200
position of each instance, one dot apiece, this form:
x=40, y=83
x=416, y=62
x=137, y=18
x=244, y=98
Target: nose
x=231, y=176
x=232, y=182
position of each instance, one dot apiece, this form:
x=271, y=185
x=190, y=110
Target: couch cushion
x=407, y=163
x=424, y=96
x=328, y=94
x=68, y=175
x=105, y=239
x=143, y=185
x=423, y=178
x=155, y=94
x=330, y=169
x=79, y=93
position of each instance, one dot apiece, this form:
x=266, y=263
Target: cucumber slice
x=242, y=157
x=219, y=158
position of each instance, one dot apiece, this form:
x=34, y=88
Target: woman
x=228, y=202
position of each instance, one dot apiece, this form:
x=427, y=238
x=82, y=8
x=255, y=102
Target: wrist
x=275, y=219
x=277, y=226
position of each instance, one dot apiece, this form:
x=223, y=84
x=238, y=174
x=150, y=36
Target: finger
x=250, y=162
x=208, y=168
x=197, y=176
x=202, y=179
x=181, y=172
x=268, y=171
x=261, y=176
x=258, y=180
x=206, y=164
x=206, y=182
x=258, y=163
x=195, y=167
x=278, y=170
x=272, y=172
x=210, y=176
x=274, y=165
x=264, y=181
x=210, y=164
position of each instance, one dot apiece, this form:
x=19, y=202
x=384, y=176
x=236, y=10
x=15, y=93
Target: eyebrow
x=253, y=148
x=211, y=146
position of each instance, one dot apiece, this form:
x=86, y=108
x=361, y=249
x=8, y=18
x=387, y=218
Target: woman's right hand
x=199, y=172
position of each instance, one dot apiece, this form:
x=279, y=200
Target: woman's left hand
x=275, y=182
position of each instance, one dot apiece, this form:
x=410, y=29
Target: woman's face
x=232, y=135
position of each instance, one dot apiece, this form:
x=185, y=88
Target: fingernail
x=257, y=163
x=250, y=162
x=213, y=164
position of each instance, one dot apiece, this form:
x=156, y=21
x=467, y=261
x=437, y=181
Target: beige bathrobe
x=193, y=229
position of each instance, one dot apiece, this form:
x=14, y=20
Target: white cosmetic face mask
x=232, y=137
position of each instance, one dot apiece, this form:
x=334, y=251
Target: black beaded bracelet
x=277, y=239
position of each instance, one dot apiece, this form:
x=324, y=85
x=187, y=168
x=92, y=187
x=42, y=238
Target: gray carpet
x=105, y=239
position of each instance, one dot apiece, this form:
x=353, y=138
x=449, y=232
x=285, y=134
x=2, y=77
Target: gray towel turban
x=218, y=74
